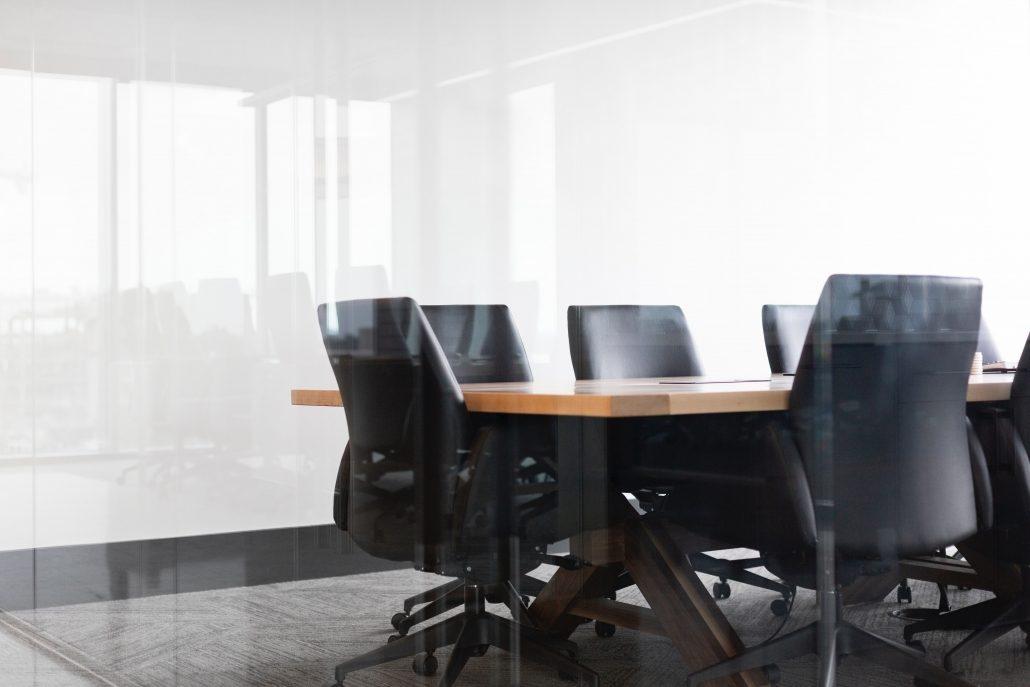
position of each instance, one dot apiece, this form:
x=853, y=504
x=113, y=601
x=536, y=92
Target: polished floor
x=292, y=634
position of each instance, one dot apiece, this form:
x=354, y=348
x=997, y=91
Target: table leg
x=550, y=609
x=686, y=610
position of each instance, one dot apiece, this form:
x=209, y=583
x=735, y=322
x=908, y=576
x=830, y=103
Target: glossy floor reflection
x=292, y=634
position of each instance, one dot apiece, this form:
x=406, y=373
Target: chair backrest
x=986, y=344
x=627, y=341
x=408, y=427
x=878, y=410
x=481, y=342
x=1012, y=481
x=785, y=327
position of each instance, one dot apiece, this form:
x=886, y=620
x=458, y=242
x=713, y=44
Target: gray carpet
x=292, y=634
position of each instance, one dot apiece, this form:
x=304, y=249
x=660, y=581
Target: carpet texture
x=293, y=634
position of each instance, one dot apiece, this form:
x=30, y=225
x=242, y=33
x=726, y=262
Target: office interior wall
x=181, y=182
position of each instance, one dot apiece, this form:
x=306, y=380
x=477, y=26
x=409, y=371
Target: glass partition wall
x=182, y=183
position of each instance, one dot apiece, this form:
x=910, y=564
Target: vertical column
x=261, y=216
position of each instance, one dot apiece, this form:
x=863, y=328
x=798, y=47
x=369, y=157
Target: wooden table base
x=681, y=607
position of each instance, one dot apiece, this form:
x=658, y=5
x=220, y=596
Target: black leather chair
x=481, y=342
x=785, y=327
x=482, y=345
x=626, y=341
x=1004, y=432
x=987, y=345
x=433, y=485
x=876, y=426
x=989, y=349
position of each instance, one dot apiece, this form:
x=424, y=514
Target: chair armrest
x=789, y=511
x=463, y=490
x=981, y=480
x=341, y=493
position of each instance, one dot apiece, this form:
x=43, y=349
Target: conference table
x=650, y=549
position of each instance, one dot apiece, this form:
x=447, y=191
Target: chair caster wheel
x=525, y=600
x=772, y=674
x=481, y=650
x=904, y=594
x=604, y=629
x=721, y=590
x=392, y=638
x=917, y=645
x=424, y=664
x=779, y=608
x=398, y=620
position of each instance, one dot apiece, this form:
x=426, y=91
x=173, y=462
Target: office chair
x=785, y=327
x=482, y=344
x=1004, y=432
x=879, y=398
x=989, y=349
x=626, y=341
x=432, y=485
x=987, y=345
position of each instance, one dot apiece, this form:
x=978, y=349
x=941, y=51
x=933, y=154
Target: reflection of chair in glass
x=1004, y=430
x=433, y=485
x=221, y=306
x=623, y=341
x=879, y=398
x=785, y=327
x=292, y=328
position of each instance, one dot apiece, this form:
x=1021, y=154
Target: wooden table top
x=642, y=397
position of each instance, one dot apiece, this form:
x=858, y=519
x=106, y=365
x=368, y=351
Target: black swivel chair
x=785, y=327
x=1004, y=432
x=626, y=341
x=482, y=344
x=987, y=345
x=877, y=415
x=989, y=349
x=433, y=485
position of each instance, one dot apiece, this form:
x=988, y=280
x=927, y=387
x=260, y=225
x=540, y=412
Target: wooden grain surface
x=641, y=397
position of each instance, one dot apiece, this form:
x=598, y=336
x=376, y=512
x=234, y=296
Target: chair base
x=989, y=620
x=450, y=595
x=739, y=571
x=920, y=614
x=446, y=596
x=850, y=640
x=471, y=633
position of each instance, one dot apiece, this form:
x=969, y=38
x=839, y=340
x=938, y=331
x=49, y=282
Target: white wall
x=162, y=162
